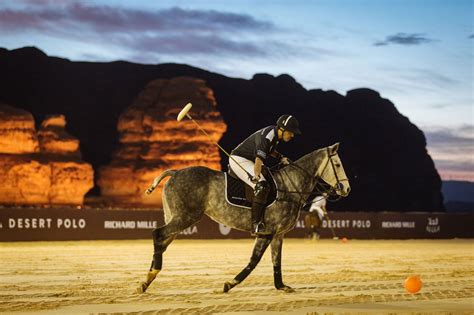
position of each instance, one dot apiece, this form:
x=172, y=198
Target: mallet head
x=184, y=111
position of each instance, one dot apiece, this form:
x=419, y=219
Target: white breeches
x=247, y=165
x=318, y=210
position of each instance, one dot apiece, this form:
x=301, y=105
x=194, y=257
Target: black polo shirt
x=261, y=143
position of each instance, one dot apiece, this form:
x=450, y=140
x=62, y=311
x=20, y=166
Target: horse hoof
x=142, y=288
x=287, y=289
x=227, y=287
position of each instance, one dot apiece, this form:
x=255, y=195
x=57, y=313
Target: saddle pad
x=235, y=192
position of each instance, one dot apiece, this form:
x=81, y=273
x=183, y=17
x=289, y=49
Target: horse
x=195, y=191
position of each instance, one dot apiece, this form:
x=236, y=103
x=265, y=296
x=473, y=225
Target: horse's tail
x=158, y=179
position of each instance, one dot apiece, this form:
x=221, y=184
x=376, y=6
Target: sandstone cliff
x=54, y=139
x=41, y=168
x=152, y=140
x=17, y=131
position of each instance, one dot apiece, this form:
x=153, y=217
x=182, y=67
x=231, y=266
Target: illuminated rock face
x=152, y=140
x=54, y=139
x=35, y=179
x=17, y=126
x=40, y=169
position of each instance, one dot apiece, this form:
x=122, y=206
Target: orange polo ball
x=413, y=284
x=344, y=239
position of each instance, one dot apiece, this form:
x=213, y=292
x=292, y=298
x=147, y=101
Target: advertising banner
x=48, y=224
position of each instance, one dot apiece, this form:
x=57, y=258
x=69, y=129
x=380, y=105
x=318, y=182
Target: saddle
x=239, y=194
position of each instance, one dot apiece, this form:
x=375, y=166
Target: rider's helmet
x=289, y=123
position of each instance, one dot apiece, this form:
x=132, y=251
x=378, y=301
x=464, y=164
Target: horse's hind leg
x=157, y=262
x=261, y=244
x=162, y=237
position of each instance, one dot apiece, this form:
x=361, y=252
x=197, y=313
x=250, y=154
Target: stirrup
x=258, y=228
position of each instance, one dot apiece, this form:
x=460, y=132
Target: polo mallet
x=185, y=112
x=334, y=237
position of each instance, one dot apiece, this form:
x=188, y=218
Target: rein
x=314, y=181
x=302, y=200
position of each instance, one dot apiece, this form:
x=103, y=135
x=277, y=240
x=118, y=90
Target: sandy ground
x=329, y=277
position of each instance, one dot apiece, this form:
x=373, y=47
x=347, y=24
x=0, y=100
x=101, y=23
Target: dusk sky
x=418, y=54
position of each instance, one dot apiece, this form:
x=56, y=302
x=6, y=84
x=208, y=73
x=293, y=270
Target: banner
x=52, y=224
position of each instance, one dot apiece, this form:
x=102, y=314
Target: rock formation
x=44, y=171
x=152, y=140
x=54, y=139
x=383, y=152
x=17, y=131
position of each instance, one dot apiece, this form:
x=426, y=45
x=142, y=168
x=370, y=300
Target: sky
x=416, y=53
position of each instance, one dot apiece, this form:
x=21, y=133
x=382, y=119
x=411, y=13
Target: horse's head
x=332, y=172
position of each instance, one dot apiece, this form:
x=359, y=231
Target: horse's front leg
x=261, y=244
x=277, y=244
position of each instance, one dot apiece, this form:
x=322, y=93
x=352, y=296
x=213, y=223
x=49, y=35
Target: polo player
x=317, y=212
x=251, y=155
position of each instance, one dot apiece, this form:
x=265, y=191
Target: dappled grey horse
x=193, y=192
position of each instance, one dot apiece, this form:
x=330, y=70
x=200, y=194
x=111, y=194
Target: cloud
x=192, y=44
x=40, y=2
x=449, y=166
x=171, y=31
x=452, y=148
x=458, y=138
x=405, y=39
x=97, y=57
x=115, y=19
x=430, y=79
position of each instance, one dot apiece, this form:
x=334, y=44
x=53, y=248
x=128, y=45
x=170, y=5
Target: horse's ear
x=334, y=148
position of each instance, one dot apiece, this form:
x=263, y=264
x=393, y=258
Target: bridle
x=315, y=181
x=337, y=189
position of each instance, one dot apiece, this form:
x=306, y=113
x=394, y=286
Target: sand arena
x=329, y=276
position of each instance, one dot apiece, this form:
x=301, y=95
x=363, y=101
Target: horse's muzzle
x=340, y=189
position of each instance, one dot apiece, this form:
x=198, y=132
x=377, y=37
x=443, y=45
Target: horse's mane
x=308, y=157
x=312, y=155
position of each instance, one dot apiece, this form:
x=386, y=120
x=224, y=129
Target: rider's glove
x=255, y=179
x=284, y=160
